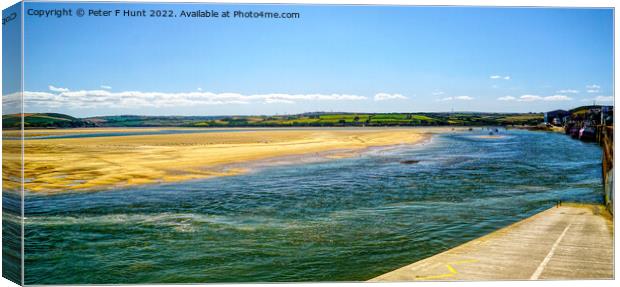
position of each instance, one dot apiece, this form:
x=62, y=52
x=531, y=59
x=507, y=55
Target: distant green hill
x=43, y=120
x=146, y=121
x=53, y=120
x=375, y=119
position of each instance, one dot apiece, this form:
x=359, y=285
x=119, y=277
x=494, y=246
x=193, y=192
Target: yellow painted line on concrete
x=572, y=241
x=452, y=270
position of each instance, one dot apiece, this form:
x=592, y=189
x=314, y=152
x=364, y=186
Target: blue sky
x=333, y=58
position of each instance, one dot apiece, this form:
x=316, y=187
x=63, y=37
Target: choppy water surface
x=346, y=219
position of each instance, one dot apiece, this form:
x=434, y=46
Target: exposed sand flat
x=76, y=131
x=106, y=130
x=11, y=166
x=79, y=164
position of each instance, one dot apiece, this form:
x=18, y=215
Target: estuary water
x=339, y=220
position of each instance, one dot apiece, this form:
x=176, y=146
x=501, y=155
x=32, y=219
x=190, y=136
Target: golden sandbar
x=96, y=163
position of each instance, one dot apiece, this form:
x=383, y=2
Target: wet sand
x=99, y=163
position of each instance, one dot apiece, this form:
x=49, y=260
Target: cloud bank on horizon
x=592, y=91
x=65, y=98
x=58, y=97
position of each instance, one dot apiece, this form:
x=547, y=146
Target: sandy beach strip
x=99, y=163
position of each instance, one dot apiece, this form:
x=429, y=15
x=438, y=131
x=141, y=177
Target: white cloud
x=599, y=99
x=556, y=98
x=438, y=93
x=458, y=98
x=386, y=96
x=136, y=99
x=506, y=98
x=499, y=77
x=529, y=98
x=567, y=91
x=11, y=103
x=592, y=89
x=57, y=89
x=604, y=99
x=278, y=101
x=535, y=98
x=105, y=87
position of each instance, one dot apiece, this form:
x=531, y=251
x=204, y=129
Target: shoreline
x=317, y=157
x=55, y=166
x=67, y=133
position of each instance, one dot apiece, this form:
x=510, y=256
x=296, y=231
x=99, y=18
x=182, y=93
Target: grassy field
x=34, y=120
x=388, y=119
x=301, y=120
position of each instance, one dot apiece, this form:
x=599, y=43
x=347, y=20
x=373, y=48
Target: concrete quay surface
x=567, y=242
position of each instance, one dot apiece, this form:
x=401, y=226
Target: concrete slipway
x=566, y=242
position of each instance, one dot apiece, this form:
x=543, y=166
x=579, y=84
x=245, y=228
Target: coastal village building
x=588, y=122
x=557, y=117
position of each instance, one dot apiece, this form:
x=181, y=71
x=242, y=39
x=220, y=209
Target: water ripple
x=346, y=219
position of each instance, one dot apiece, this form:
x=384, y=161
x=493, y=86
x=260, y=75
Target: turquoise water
x=346, y=219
